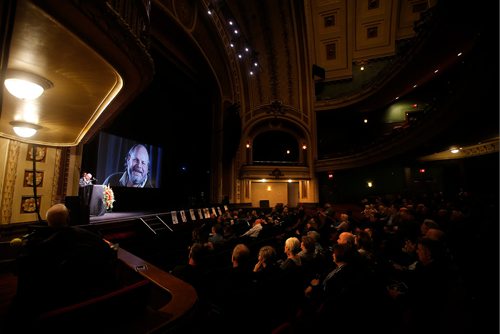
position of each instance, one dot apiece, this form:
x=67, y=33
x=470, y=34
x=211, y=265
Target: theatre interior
x=297, y=115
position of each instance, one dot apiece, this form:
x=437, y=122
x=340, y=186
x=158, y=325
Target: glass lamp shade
x=24, y=132
x=23, y=89
x=24, y=129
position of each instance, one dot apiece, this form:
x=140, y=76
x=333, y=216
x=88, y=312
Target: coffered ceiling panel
x=83, y=83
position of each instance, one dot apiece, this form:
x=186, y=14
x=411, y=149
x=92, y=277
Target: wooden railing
x=183, y=297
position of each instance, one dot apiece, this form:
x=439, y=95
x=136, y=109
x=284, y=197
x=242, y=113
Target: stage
x=156, y=222
x=121, y=216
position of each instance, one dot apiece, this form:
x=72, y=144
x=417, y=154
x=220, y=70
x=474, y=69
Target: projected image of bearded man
x=137, y=170
x=137, y=164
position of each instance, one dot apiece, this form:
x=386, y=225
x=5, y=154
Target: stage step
x=156, y=224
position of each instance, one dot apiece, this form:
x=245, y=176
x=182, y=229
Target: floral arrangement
x=109, y=197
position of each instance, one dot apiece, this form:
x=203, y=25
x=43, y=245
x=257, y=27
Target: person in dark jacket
x=59, y=265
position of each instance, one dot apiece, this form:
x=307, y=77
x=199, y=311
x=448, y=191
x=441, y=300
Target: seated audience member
x=426, y=225
x=344, y=225
x=194, y=270
x=435, y=291
x=347, y=238
x=254, y=231
x=60, y=265
x=216, y=236
x=270, y=290
x=293, y=275
x=435, y=234
x=318, y=247
x=335, y=295
x=311, y=265
x=237, y=292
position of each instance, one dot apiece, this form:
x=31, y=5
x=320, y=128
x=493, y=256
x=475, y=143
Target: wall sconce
x=25, y=129
x=25, y=85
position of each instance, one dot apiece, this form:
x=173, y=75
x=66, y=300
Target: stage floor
x=115, y=216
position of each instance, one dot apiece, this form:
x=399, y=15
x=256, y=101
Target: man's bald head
x=58, y=216
x=346, y=238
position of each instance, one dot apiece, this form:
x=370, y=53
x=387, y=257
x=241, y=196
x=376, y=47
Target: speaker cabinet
x=79, y=213
x=264, y=203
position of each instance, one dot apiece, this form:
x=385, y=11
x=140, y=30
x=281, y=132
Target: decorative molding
x=488, y=147
x=55, y=179
x=9, y=181
x=256, y=172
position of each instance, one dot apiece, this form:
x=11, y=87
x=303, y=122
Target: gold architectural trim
x=9, y=181
x=487, y=147
x=55, y=179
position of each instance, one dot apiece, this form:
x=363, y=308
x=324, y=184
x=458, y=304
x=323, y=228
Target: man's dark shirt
x=61, y=267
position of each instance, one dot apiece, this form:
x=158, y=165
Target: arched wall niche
x=275, y=146
x=273, y=129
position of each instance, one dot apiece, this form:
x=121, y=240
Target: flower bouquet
x=108, y=198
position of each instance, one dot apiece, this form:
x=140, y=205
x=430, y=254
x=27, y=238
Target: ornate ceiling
x=398, y=48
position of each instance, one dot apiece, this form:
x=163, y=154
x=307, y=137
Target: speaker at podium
x=264, y=203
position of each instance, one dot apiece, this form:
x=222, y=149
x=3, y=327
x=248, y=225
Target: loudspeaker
x=79, y=213
x=264, y=203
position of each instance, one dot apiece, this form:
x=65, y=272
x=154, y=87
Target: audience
x=373, y=274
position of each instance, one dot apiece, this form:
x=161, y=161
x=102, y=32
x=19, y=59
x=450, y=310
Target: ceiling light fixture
x=25, y=129
x=26, y=85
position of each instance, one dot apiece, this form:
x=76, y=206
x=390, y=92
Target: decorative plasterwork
x=487, y=147
x=9, y=181
x=275, y=173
